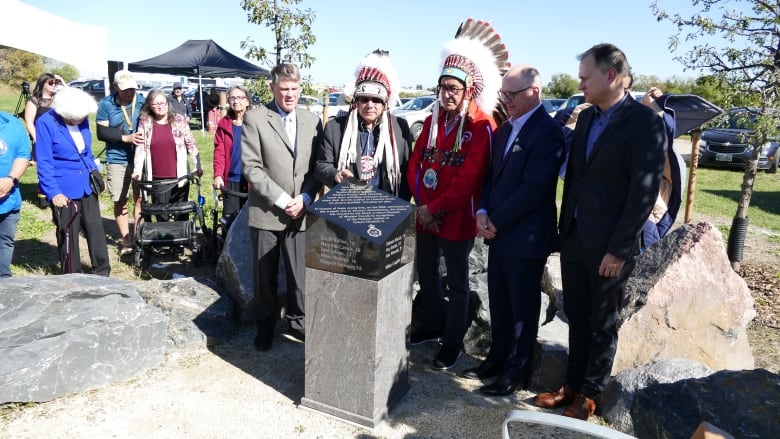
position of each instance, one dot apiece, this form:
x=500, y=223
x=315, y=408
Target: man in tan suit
x=278, y=152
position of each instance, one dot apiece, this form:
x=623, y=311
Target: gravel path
x=233, y=391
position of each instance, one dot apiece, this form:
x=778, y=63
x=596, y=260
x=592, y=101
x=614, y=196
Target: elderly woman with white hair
x=63, y=150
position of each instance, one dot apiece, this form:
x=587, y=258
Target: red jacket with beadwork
x=459, y=174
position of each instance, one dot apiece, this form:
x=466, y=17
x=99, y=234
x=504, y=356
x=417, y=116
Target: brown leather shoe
x=559, y=398
x=581, y=408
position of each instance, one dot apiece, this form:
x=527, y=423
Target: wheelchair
x=161, y=228
x=220, y=224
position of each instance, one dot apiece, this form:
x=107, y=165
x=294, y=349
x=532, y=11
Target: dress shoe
x=581, y=408
x=446, y=357
x=550, y=400
x=296, y=334
x=502, y=386
x=487, y=369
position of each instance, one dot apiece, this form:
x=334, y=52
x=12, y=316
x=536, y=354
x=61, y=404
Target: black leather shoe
x=502, y=386
x=296, y=334
x=446, y=357
x=264, y=337
x=486, y=369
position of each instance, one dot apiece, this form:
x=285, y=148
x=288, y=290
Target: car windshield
x=740, y=120
x=418, y=103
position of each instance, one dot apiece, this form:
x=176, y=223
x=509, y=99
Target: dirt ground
x=232, y=390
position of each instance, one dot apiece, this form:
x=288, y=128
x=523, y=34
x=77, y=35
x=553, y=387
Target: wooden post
x=690, y=195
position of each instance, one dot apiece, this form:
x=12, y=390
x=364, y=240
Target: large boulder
x=199, y=316
x=617, y=398
x=683, y=300
x=66, y=334
x=743, y=403
x=234, y=267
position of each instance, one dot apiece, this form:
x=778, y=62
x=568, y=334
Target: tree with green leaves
x=19, y=65
x=284, y=21
x=561, y=85
x=736, y=42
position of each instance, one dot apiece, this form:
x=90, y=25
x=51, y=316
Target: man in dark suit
x=517, y=218
x=612, y=180
x=278, y=151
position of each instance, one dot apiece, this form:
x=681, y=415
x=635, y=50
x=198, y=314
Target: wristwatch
x=15, y=180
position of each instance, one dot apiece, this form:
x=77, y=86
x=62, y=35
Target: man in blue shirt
x=117, y=123
x=14, y=159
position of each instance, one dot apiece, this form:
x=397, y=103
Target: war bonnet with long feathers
x=375, y=77
x=479, y=59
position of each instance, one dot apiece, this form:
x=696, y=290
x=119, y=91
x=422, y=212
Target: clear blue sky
x=547, y=34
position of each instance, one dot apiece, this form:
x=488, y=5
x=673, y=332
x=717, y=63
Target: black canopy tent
x=201, y=58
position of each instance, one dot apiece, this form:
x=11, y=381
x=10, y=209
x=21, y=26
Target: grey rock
x=617, y=398
x=234, y=267
x=199, y=316
x=66, y=334
x=743, y=403
x=552, y=353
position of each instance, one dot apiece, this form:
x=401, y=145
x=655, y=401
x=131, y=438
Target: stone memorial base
x=356, y=353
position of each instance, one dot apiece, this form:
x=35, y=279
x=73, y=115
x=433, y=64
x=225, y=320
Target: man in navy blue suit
x=612, y=178
x=517, y=218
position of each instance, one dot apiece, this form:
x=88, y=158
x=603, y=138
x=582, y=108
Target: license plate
x=723, y=157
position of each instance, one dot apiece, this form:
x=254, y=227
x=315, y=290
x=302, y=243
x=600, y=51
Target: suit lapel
x=519, y=140
x=581, y=136
x=498, y=148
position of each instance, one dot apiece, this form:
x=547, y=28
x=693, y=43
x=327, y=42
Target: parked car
x=577, y=99
x=311, y=103
x=415, y=112
x=551, y=105
x=95, y=87
x=728, y=144
x=337, y=102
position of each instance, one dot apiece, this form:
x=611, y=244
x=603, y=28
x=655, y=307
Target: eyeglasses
x=159, y=104
x=236, y=98
x=509, y=95
x=449, y=89
x=365, y=100
x=54, y=81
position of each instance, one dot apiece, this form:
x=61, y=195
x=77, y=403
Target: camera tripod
x=23, y=96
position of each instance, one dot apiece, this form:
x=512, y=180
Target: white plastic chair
x=560, y=422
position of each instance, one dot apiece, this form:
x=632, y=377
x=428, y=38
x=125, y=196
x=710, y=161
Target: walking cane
x=68, y=265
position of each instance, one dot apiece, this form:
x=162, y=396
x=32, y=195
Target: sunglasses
x=365, y=100
x=54, y=81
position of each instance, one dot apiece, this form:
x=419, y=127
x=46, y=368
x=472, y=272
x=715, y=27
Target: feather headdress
x=374, y=77
x=374, y=73
x=479, y=59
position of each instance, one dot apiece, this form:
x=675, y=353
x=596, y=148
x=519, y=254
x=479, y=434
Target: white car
x=415, y=112
x=337, y=102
